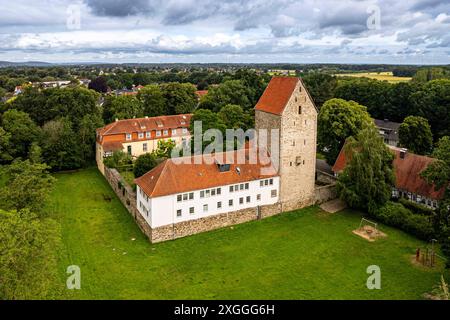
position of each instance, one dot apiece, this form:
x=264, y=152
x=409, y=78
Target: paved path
x=333, y=206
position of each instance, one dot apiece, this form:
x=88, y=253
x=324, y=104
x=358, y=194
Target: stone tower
x=287, y=106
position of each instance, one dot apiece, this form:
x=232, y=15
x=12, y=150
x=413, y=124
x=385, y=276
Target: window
x=144, y=147
x=179, y=198
x=179, y=213
x=266, y=182
x=247, y=186
x=208, y=193
x=271, y=181
x=174, y=132
x=299, y=109
x=273, y=193
x=304, y=142
x=128, y=136
x=241, y=186
x=184, y=130
x=247, y=199
x=231, y=188
x=219, y=191
x=158, y=133
x=258, y=197
x=230, y=202
x=141, y=135
x=305, y=122
x=205, y=208
x=129, y=150
x=185, y=197
x=241, y=200
x=202, y=194
x=213, y=192
x=191, y=210
x=236, y=187
x=261, y=183
x=219, y=205
x=191, y=196
x=166, y=132
x=148, y=134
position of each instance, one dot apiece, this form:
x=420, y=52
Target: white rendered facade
x=165, y=210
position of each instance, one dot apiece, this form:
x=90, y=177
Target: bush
x=416, y=207
x=396, y=215
x=143, y=164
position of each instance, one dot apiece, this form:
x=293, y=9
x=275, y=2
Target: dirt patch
x=369, y=233
x=333, y=206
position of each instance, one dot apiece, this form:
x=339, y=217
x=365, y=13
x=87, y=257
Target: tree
x=28, y=186
x=153, y=101
x=373, y=94
x=235, y=118
x=60, y=147
x=438, y=173
x=367, y=180
x=321, y=86
x=28, y=260
x=23, y=132
x=126, y=107
x=433, y=103
x=180, y=97
x=99, y=84
x=143, y=164
x=5, y=155
x=230, y=92
x=339, y=119
x=415, y=134
x=117, y=159
x=164, y=148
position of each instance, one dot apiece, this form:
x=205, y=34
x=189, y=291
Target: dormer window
x=174, y=132
x=185, y=130
x=148, y=134
x=158, y=133
x=128, y=137
x=141, y=135
x=166, y=132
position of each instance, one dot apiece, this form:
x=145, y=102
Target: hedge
x=415, y=207
x=396, y=215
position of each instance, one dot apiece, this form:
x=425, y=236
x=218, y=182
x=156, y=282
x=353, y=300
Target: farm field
x=305, y=254
x=383, y=76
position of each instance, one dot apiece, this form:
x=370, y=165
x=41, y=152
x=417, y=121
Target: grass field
x=383, y=76
x=306, y=254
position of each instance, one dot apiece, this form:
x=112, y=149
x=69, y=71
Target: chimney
x=403, y=153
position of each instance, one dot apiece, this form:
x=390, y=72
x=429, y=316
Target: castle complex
x=174, y=200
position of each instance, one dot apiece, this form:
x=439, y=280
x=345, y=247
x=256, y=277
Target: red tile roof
x=201, y=93
x=146, y=124
x=277, y=94
x=407, y=173
x=171, y=177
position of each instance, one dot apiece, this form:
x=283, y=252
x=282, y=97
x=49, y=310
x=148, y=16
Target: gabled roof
x=171, y=176
x=277, y=94
x=407, y=173
x=146, y=124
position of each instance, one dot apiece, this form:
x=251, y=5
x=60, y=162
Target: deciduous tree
x=415, y=134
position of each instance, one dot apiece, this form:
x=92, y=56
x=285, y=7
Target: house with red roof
x=140, y=135
x=408, y=182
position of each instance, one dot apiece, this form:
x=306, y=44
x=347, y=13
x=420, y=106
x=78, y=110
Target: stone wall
x=325, y=193
x=325, y=178
x=127, y=196
x=191, y=227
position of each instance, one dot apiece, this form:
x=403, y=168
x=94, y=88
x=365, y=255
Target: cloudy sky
x=301, y=31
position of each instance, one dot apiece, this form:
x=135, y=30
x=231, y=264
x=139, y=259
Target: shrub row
x=396, y=215
x=415, y=207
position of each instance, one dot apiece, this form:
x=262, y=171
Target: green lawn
x=306, y=254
